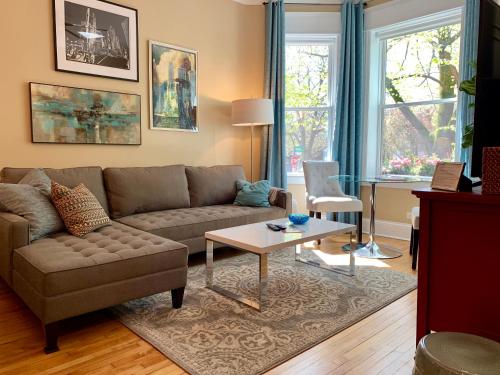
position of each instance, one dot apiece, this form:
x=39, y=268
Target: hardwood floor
x=383, y=343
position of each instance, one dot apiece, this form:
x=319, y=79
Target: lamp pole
x=251, y=153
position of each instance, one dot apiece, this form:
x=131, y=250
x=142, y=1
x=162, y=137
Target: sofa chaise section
x=61, y=276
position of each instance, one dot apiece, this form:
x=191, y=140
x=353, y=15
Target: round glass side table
x=371, y=249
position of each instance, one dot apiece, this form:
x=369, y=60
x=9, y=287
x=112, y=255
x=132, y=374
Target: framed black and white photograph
x=96, y=37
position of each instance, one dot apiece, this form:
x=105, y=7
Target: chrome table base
x=374, y=251
x=352, y=261
x=371, y=250
x=264, y=273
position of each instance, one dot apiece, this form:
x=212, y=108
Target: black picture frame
x=32, y=117
x=116, y=55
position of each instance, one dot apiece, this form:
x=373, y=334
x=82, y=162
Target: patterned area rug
x=212, y=334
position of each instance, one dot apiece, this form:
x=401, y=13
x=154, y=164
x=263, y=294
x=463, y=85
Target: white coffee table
x=260, y=240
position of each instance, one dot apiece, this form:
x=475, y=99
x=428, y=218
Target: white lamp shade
x=249, y=112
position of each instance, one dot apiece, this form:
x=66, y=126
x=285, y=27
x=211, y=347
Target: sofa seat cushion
x=181, y=224
x=62, y=263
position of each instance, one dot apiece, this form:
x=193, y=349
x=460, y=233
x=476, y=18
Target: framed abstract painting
x=173, y=87
x=61, y=114
x=96, y=37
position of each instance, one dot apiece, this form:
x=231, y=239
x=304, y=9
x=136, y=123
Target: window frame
x=375, y=79
x=318, y=39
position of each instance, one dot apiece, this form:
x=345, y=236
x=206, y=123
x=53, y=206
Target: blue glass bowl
x=298, y=219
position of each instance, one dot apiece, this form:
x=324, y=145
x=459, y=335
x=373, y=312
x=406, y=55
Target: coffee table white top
x=258, y=238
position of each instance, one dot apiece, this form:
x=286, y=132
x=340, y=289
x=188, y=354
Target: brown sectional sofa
x=160, y=214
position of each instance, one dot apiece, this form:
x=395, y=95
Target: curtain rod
x=315, y=4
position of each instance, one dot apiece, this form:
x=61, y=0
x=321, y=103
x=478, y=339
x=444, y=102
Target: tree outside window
x=308, y=101
x=419, y=106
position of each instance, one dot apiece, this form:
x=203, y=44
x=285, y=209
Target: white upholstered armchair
x=325, y=195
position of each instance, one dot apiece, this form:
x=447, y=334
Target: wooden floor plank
x=96, y=343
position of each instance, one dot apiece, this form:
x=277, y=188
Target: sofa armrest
x=284, y=200
x=14, y=233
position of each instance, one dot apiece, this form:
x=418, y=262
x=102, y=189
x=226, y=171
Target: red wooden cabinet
x=459, y=263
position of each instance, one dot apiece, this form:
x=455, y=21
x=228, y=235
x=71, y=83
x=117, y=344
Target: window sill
x=401, y=185
x=296, y=179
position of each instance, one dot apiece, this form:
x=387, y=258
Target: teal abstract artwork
x=61, y=114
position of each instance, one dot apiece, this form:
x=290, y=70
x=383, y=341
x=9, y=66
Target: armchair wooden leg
x=360, y=227
x=416, y=237
x=177, y=297
x=52, y=331
x=311, y=213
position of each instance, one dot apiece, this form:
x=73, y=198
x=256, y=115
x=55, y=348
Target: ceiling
x=259, y=2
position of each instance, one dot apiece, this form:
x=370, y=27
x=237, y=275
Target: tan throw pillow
x=79, y=209
x=274, y=194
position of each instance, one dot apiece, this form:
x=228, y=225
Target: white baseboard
x=393, y=229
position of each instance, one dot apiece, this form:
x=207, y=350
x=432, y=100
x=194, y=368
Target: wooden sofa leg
x=52, y=331
x=177, y=297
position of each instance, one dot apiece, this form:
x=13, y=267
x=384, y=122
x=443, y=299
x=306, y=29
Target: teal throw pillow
x=254, y=195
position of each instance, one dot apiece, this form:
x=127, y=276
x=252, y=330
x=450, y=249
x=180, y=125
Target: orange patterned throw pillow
x=79, y=209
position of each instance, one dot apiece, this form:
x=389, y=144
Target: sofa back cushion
x=145, y=189
x=213, y=185
x=91, y=177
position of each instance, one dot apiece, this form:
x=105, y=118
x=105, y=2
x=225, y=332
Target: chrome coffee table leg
x=352, y=259
x=210, y=263
x=263, y=275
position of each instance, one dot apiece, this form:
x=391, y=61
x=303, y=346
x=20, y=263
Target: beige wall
x=228, y=36
x=391, y=204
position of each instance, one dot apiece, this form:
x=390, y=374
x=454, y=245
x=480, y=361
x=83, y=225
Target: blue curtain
x=273, y=155
x=468, y=59
x=347, y=140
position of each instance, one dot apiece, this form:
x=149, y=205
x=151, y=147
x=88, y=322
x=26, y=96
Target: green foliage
x=468, y=136
x=412, y=165
x=420, y=67
x=307, y=84
x=468, y=86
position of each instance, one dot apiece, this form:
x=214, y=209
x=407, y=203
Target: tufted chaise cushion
x=62, y=263
x=188, y=223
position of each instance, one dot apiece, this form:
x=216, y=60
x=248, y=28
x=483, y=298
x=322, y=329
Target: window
x=418, y=89
x=309, y=86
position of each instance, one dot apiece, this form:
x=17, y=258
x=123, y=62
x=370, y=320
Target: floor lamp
x=252, y=112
